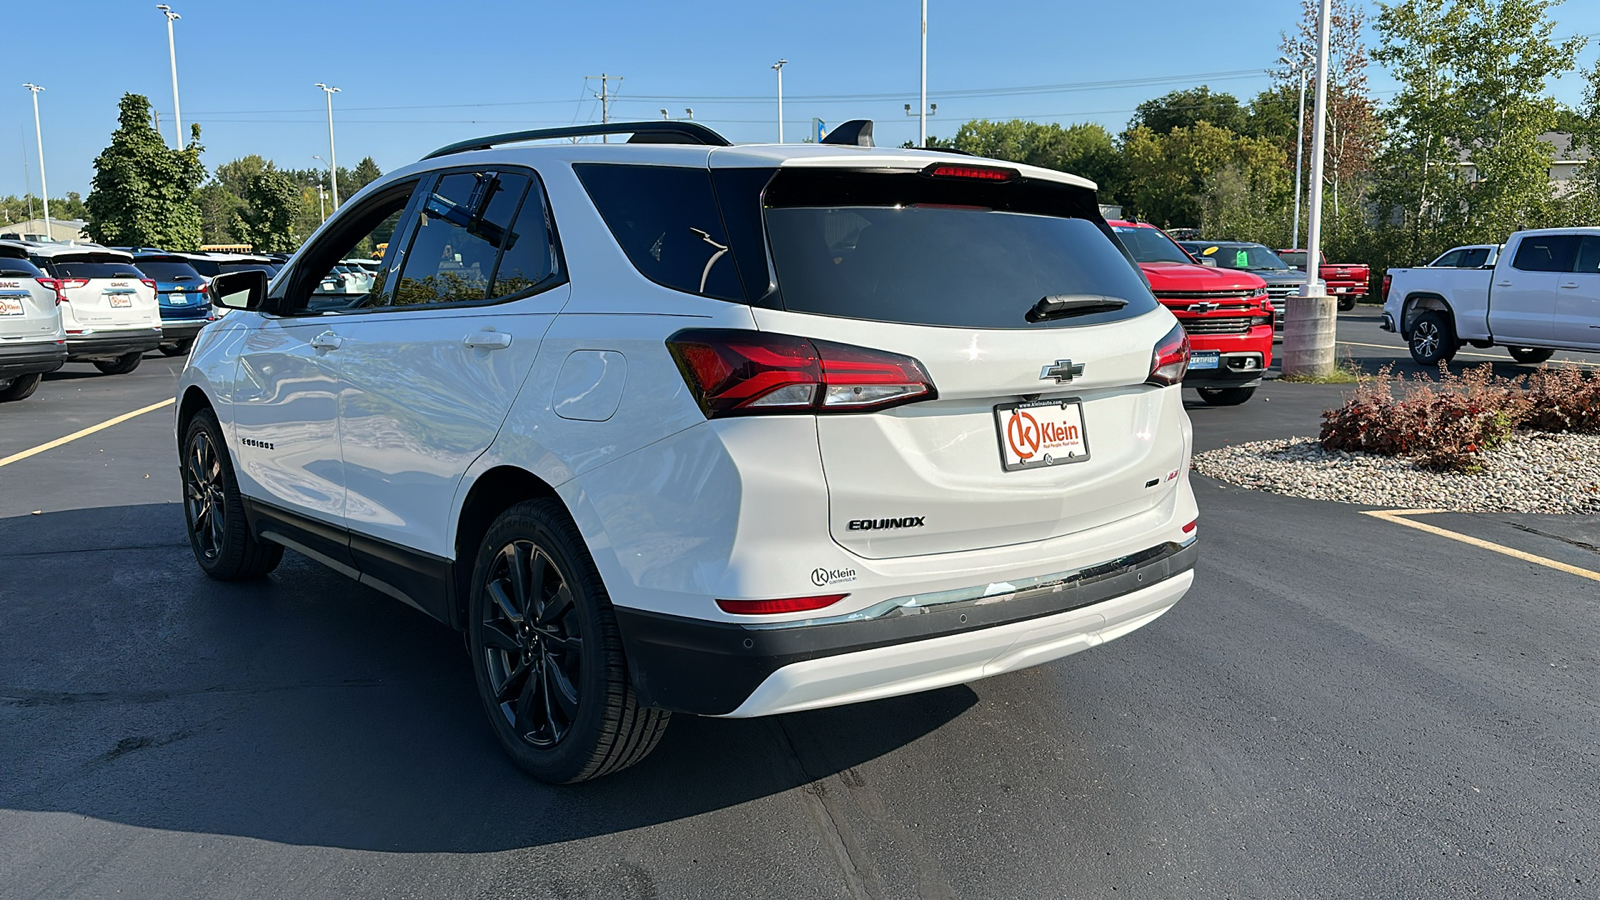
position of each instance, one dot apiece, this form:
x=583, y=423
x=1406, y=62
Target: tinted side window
x=1450, y=260
x=1473, y=259
x=1589, y=255
x=463, y=222
x=529, y=256
x=1546, y=253
x=665, y=218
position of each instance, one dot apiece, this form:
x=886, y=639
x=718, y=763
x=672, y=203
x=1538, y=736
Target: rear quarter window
x=666, y=220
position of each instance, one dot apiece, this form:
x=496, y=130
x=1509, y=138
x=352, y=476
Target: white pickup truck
x=1540, y=296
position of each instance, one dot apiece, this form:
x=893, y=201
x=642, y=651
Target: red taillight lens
x=1386, y=279
x=742, y=373
x=975, y=173
x=53, y=285
x=772, y=607
x=1171, y=358
x=149, y=283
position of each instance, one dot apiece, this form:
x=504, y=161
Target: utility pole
x=172, y=54
x=333, y=158
x=27, y=177
x=1303, y=69
x=922, y=104
x=778, y=67
x=44, y=187
x=605, y=97
x=1310, y=320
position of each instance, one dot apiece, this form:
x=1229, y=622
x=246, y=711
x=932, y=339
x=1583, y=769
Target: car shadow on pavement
x=307, y=709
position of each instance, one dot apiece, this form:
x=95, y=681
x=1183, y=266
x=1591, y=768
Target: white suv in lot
x=32, y=343
x=676, y=425
x=108, y=308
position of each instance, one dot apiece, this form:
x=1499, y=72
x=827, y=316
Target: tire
x=20, y=388
x=1226, y=396
x=213, y=511
x=1530, y=354
x=1347, y=302
x=122, y=365
x=178, y=349
x=547, y=654
x=1433, y=340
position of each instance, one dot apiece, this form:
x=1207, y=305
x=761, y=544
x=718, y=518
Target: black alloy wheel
x=1432, y=339
x=532, y=644
x=547, y=654
x=219, y=533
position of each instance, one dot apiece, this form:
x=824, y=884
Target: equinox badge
x=1062, y=370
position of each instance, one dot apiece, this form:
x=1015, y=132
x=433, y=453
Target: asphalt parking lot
x=1342, y=707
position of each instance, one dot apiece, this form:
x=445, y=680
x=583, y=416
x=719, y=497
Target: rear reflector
x=1171, y=358
x=772, y=607
x=741, y=373
x=1189, y=528
x=974, y=173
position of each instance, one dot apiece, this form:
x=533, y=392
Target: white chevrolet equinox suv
x=673, y=425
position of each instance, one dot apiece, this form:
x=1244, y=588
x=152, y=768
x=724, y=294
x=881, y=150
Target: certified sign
x=1044, y=433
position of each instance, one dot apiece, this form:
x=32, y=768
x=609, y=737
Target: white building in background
x=1562, y=169
x=33, y=230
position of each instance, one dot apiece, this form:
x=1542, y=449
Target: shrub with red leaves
x=1443, y=425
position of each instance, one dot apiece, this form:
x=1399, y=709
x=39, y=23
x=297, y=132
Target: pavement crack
x=24, y=697
x=1584, y=545
x=861, y=879
x=33, y=553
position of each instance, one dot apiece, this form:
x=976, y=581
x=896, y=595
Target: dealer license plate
x=1041, y=433
x=1205, y=359
x=10, y=307
x=120, y=301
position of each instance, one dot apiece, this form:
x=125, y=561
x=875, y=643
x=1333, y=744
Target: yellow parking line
x=1570, y=362
x=85, y=432
x=1396, y=516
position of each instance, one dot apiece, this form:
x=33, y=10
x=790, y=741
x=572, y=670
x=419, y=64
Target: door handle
x=327, y=341
x=487, y=340
x=1570, y=285
x=1502, y=284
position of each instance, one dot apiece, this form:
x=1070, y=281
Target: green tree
x=1170, y=176
x=1085, y=150
x=143, y=191
x=1582, y=203
x=267, y=221
x=365, y=173
x=1353, y=129
x=1187, y=108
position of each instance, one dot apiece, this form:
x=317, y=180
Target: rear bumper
x=30, y=359
x=727, y=669
x=1242, y=357
x=107, y=344
x=182, y=329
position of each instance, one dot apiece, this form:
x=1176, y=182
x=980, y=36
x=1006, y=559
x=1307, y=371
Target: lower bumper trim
x=115, y=343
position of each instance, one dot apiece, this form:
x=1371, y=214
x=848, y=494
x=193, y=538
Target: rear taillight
x=149, y=283
x=53, y=285
x=1171, y=358
x=744, y=373
x=773, y=607
x=1386, y=279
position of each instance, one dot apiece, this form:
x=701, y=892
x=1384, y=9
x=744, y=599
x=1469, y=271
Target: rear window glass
x=247, y=267
x=907, y=248
x=167, y=270
x=665, y=218
x=11, y=267
x=94, y=270
x=1295, y=258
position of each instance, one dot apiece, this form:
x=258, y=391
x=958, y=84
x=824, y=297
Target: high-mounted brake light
x=1170, y=360
x=773, y=607
x=741, y=373
x=975, y=173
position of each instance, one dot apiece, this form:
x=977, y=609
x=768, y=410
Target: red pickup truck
x=1226, y=313
x=1346, y=281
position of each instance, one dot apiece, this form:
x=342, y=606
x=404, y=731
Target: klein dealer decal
x=822, y=577
x=1026, y=434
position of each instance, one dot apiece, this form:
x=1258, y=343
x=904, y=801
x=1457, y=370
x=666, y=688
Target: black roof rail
x=656, y=133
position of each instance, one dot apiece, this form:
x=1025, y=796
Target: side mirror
x=240, y=290
x=1208, y=261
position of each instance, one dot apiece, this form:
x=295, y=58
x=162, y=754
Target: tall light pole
x=778, y=67
x=333, y=158
x=172, y=53
x=1310, y=321
x=922, y=105
x=321, y=212
x=1302, y=69
x=44, y=188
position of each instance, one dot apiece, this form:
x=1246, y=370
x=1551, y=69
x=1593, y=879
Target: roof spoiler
x=854, y=133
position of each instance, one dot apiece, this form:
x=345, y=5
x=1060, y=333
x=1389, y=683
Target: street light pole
x=172, y=54
x=778, y=67
x=1310, y=321
x=1299, y=143
x=321, y=212
x=44, y=187
x=333, y=158
x=922, y=105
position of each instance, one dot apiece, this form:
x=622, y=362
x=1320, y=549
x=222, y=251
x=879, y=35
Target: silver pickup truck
x=1541, y=295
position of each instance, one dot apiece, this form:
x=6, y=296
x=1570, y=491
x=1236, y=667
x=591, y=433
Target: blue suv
x=181, y=291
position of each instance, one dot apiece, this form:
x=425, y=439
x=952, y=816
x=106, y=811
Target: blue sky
x=414, y=76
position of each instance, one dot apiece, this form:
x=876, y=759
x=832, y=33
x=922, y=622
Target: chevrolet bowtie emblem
x=1203, y=307
x=1062, y=370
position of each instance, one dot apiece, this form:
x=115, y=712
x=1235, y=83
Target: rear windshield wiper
x=1060, y=306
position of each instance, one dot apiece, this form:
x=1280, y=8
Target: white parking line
x=1396, y=516
x=1569, y=362
x=33, y=451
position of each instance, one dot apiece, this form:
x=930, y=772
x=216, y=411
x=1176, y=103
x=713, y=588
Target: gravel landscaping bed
x=1532, y=472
